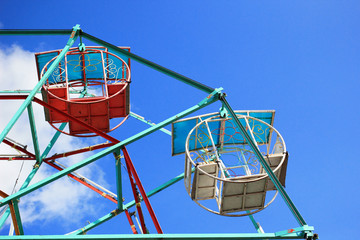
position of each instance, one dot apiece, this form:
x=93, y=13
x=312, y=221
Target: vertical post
x=73, y=37
x=15, y=215
x=14, y=223
x=33, y=133
x=118, y=179
x=16, y=218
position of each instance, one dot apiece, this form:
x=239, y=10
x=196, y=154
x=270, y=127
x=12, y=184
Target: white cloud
x=62, y=199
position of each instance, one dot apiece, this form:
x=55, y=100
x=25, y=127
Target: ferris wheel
x=235, y=161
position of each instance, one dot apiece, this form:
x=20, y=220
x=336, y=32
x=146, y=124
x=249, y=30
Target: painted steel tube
x=19, y=148
x=82, y=150
x=34, y=133
x=35, y=31
x=131, y=169
x=137, y=200
x=118, y=180
x=150, y=64
x=220, y=236
x=132, y=225
x=265, y=165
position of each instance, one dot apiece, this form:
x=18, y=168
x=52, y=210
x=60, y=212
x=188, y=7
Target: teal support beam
x=96, y=223
x=17, y=91
x=118, y=179
x=17, y=216
x=73, y=37
x=160, y=188
x=33, y=133
x=53, y=141
x=150, y=64
x=28, y=91
x=214, y=96
x=35, y=31
x=4, y=217
x=305, y=233
x=265, y=165
x=138, y=117
x=256, y=224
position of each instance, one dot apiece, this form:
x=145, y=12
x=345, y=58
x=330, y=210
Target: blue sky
x=300, y=58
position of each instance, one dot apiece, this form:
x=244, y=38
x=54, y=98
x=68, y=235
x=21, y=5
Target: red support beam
x=82, y=182
x=3, y=195
x=13, y=97
x=132, y=225
x=16, y=158
x=13, y=217
x=137, y=199
x=131, y=169
x=12, y=212
x=23, y=150
x=82, y=150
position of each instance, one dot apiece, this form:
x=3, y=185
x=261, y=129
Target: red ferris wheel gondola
x=91, y=85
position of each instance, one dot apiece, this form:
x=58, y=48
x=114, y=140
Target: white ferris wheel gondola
x=221, y=166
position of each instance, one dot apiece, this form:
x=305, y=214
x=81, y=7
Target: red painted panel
x=95, y=114
x=78, y=110
x=118, y=105
x=60, y=92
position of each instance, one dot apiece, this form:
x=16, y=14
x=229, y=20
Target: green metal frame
x=118, y=179
x=33, y=133
x=304, y=231
x=134, y=115
x=17, y=216
x=299, y=233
